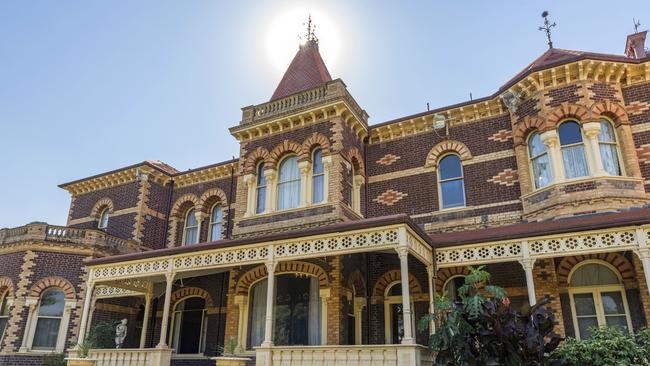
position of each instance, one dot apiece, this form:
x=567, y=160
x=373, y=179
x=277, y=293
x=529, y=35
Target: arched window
x=541, y=165
x=189, y=326
x=48, y=322
x=608, y=148
x=4, y=313
x=349, y=183
x=260, y=191
x=451, y=182
x=451, y=287
x=394, y=315
x=216, y=217
x=289, y=183
x=597, y=298
x=573, y=150
x=318, y=177
x=191, y=232
x=103, y=219
x=297, y=311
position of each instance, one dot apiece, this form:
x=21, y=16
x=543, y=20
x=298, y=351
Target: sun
x=282, y=38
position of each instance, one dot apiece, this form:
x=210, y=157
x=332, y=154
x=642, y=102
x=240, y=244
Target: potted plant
x=228, y=357
x=82, y=359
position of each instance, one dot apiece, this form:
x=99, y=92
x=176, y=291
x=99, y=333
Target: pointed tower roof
x=306, y=71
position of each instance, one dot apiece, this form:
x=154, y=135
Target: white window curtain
x=573, y=150
x=4, y=314
x=257, y=308
x=216, y=219
x=318, y=177
x=289, y=184
x=50, y=313
x=608, y=148
x=103, y=219
x=539, y=160
x=191, y=228
x=260, y=194
x=452, y=183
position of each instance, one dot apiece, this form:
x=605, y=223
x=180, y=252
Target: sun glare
x=282, y=38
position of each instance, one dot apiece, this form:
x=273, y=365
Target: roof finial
x=547, y=28
x=310, y=37
x=637, y=24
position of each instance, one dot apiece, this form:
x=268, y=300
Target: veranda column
x=165, y=316
x=432, y=326
x=528, y=264
x=90, y=288
x=145, y=319
x=406, y=295
x=270, y=300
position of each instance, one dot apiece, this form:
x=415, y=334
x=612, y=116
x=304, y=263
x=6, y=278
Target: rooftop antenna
x=470, y=96
x=547, y=28
x=428, y=106
x=637, y=24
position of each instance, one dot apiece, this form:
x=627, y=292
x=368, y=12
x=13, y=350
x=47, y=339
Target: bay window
x=608, y=148
x=539, y=161
x=573, y=150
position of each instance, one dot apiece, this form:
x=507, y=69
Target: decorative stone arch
x=315, y=140
x=444, y=147
x=100, y=206
x=565, y=111
x=355, y=157
x=280, y=151
x=53, y=281
x=393, y=276
x=186, y=292
x=254, y=158
x=6, y=287
x=209, y=198
x=611, y=110
x=249, y=278
x=622, y=265
x=357, y=283
x=180, y=206
x=526, y=126
x=444, y=274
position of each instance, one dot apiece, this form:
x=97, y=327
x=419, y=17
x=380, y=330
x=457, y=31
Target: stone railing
x=131, y=357
x=330, y=91
x=361, y=355
x=91, y=237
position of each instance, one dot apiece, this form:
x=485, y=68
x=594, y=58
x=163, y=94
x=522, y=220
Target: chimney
x=635, y=45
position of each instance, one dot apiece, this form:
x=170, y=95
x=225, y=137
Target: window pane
x=318, y=162
x=453, y=193
x=618, y=321
x=215, y=233
x=593, y=274
x=570, y=133
x=289, y=169
x=606, y=132
x=191, y=236
x=585, y=325
x=612, y=302
x=257, y=314
x=450, y=167
x=261, y=200
x=575, y=163
x=288, y=195
x=3, y=326
x=4, y=307
x=103, y=221
x=535, y=145
x=318, y=190
x=261, y=179
x=609, y=156
x=52, y=303
x=190, y=219
x=542, y=170
x=584, y=304
x=47, y=330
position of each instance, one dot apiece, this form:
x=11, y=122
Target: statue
x=120, y=333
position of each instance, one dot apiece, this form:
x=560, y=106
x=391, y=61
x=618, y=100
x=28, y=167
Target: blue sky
x=91, y=86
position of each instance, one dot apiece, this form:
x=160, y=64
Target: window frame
x=595, y=291
x=315, y=175
x=619, y=156
x=260, y=187
x=4, y=304
x=191, y=210
x=279, y=183
x=582, y=142
x=63, y=322
x=531, y=158
x=213, y=223
x=100, y=223
x=440, y=182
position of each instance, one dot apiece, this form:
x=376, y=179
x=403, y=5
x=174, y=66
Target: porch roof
x=227, y=243
x=559, y=226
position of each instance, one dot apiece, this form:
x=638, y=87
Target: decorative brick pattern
x=501, y=136
x=390, y=197
x=53, y=281
x=621, y=263
x=382, y=283
x=637, y=107
x=186, y=292
x=447, y=146
x=643, y=152
x=507, y=177
x=388, y=159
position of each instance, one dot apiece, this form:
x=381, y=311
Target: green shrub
x=102, y=336
x=607, y=347
x=54, y=359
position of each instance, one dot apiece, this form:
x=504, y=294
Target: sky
x=91, y=86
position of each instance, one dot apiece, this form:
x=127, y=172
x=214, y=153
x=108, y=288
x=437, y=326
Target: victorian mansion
x=325, y=241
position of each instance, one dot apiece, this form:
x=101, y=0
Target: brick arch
x=313, y=141
x=526, y=126
x=284, y=148
x=181, y=204
x=354, y=157
x=444, y=274
x=393, y=276
x=611, y=110
x=209, y=198
x=100, y=206
x=53, y=281
x=444, y=147
x=622, y=265
x=254, y=158
x=245, y=281
x=185, y=292
x=567, y=110
x=6, y=286
x=357, y=282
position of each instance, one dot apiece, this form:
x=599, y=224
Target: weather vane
x=547, y=28
x=637, y=24
x=311, y=28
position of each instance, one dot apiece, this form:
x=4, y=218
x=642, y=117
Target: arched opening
x=102, y=224
x=318, y=177
x=216, y=219
x=573, y=150
x=393, y=314
x=191, y=229
x=597, y=298
x=451, y=182
x=297, y=311
x=189, y=326
x=289, y=183
x=451, y=286
x=260, y=190
x=4, y=313
x=48, y=322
